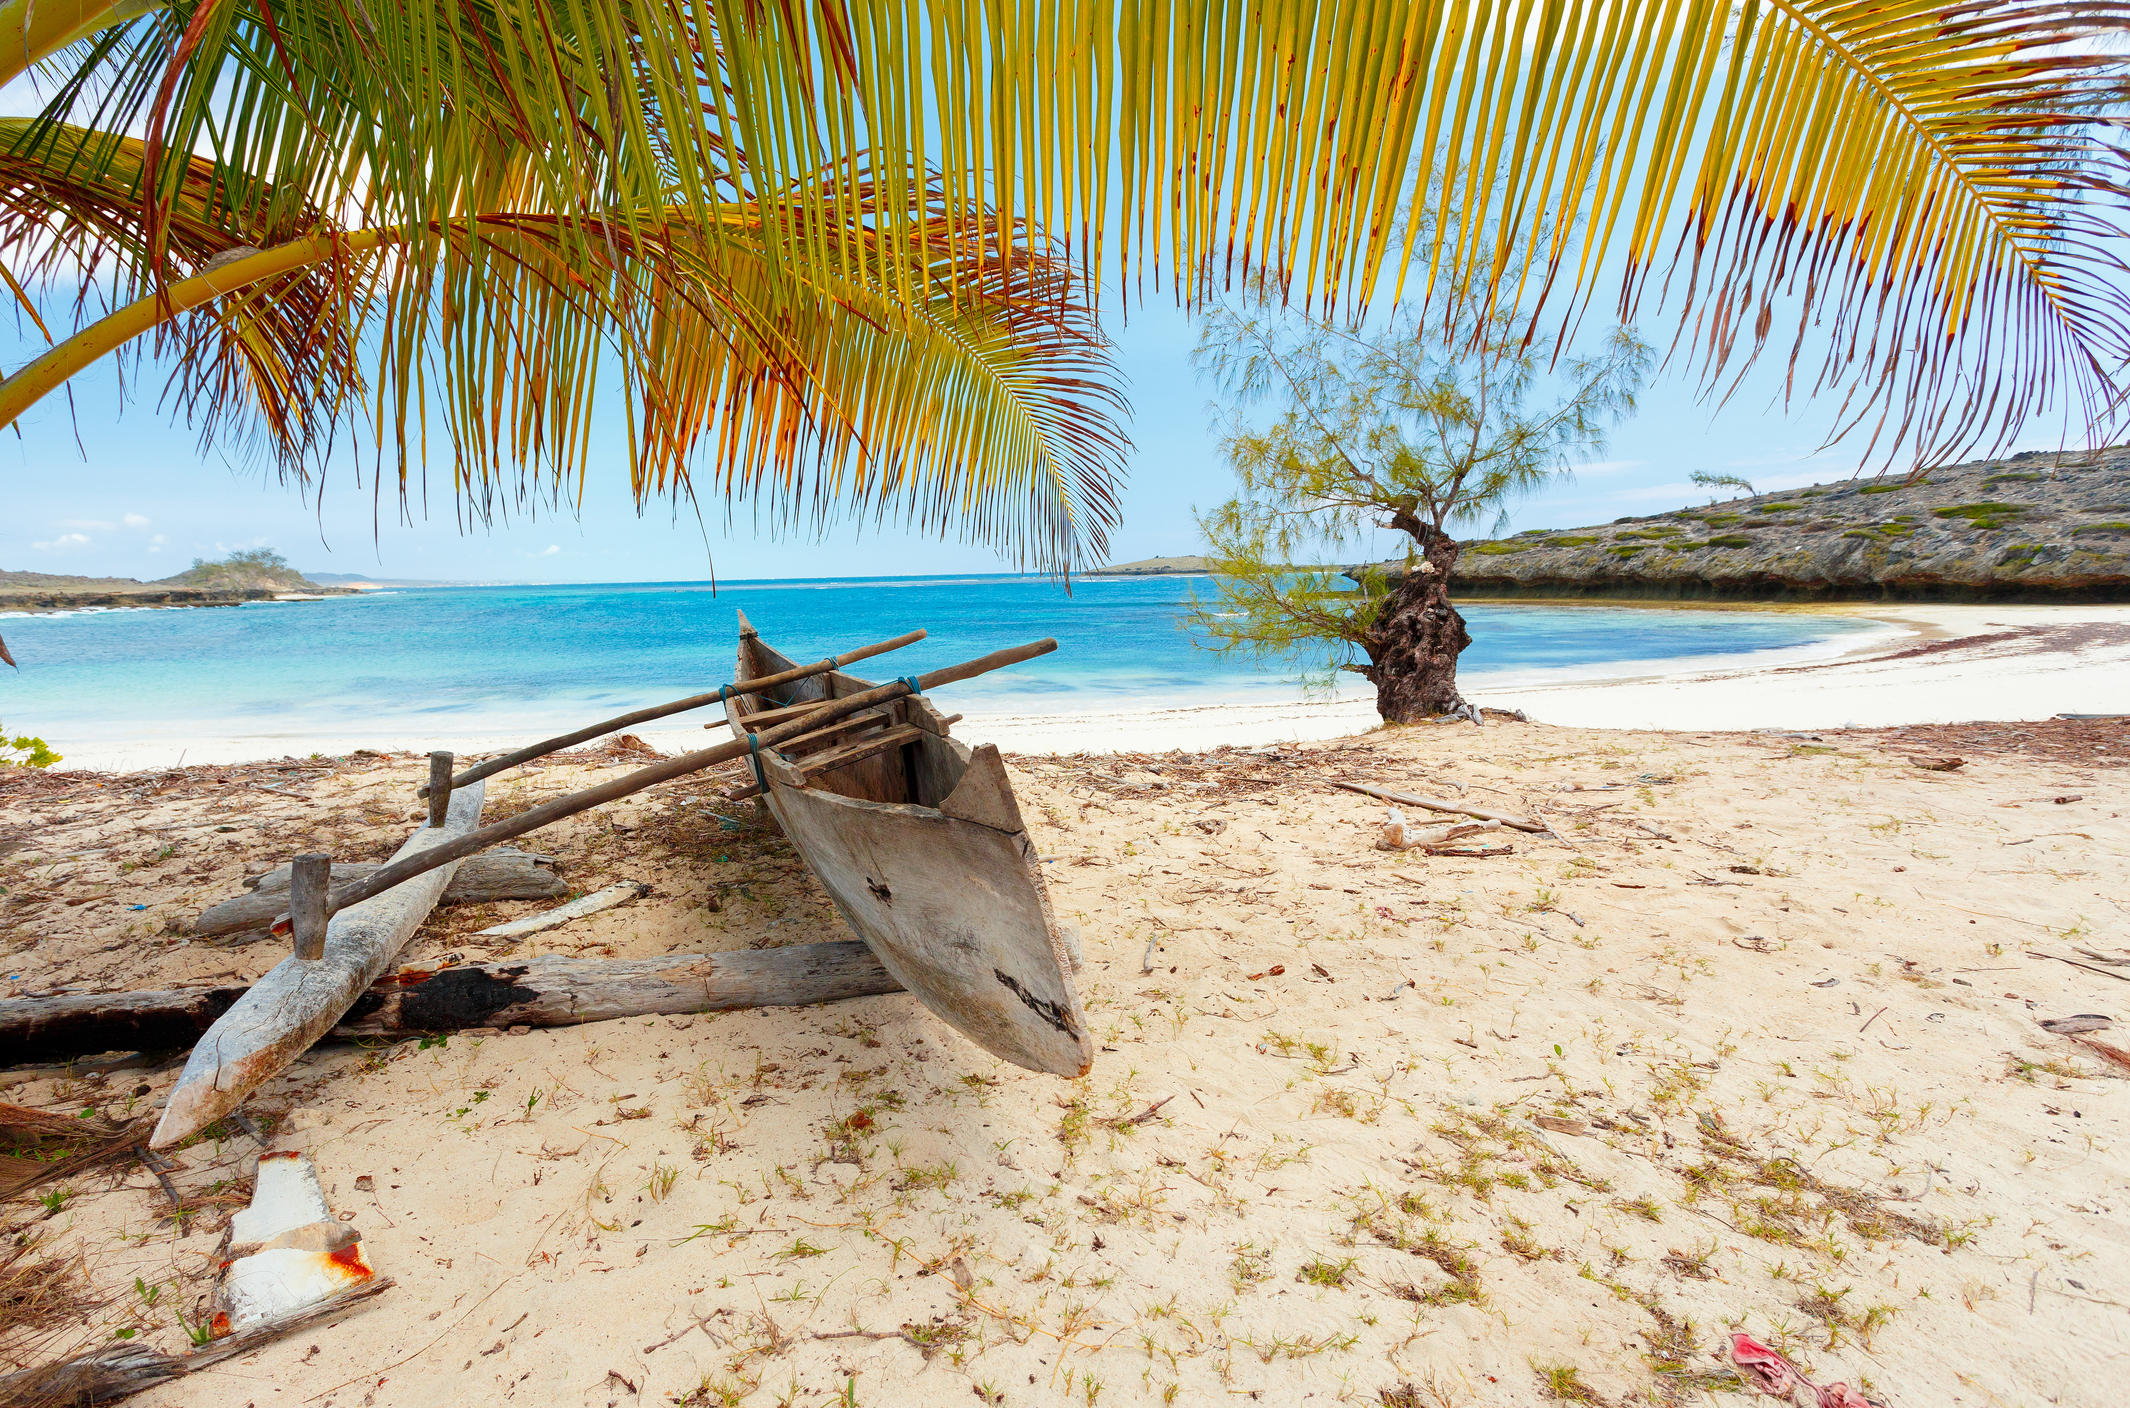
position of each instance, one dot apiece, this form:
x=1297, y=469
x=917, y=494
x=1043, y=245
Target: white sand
x=1759, y=1050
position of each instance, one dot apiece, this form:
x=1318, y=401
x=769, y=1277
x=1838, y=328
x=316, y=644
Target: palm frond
x=1926, y=196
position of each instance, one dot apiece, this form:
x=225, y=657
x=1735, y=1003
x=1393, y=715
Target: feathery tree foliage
x=1413, y=427
x=1916, y=206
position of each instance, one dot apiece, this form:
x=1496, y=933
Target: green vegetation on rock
x=1987, y=514
x=1498, y=549
x=257, y=567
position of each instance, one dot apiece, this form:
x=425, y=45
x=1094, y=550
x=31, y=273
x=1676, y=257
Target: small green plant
x=1564, y=1384
x=55, y=1200
x=24, y=751
x=1986, y=514
x=1326, y=1273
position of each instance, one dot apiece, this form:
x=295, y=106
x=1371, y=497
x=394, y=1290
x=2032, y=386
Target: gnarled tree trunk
x=1412, y=655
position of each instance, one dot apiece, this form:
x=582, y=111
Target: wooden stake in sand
x=301, y=998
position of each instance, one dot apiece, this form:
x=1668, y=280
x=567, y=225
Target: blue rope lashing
x=754, y=752
x=911, y=681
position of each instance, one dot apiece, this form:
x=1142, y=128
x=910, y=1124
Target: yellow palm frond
x=1927, y=198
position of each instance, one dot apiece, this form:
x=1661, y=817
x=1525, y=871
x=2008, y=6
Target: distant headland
x=256, y=575
x=2036, y=527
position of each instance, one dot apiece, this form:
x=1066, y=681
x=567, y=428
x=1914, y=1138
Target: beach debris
x=1938, y=764
x=37, y=1147
x=287, y=1250
x=1777, y=1377
x=2080, y=1022
x=2075, y=963
x=608, y=898
x=1273, y=972
x=2113, y=1055
x=1400, y=835
x=1521, y=823
x=501, y=874
x=1146, y=960
x=126, y=1367
x=300, y=999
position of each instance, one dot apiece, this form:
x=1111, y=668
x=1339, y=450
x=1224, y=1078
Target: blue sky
x=105, y=490
x=98, y=488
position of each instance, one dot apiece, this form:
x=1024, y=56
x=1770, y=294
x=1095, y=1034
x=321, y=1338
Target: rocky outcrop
x=45, y=591
x=2036, y=527
x=1152, y=567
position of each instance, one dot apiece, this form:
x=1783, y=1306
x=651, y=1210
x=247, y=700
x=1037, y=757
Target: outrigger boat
x=918, y=839
x=916, y=836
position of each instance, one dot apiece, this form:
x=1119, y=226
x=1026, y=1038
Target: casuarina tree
x=1420, y=426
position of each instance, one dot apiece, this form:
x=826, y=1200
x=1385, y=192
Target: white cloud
x=63, y=542
x=158, y=540
x=1607, y=467
x=92, y=523
x=552, y=549
x=136, y=520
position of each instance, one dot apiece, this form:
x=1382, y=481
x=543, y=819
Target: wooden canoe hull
x=923, y=851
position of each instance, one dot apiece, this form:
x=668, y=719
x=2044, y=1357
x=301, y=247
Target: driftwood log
x=300, y=999
x=531, y=992
x=491, y=875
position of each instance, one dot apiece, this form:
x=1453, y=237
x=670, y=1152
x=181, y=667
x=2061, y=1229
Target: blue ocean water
x=498, y=661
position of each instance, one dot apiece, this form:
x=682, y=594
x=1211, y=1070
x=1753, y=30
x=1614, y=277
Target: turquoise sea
x=495, y=662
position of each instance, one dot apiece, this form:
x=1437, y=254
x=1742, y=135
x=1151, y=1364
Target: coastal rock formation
x=2036, y=527
x=204, y=584
x=1152, y=567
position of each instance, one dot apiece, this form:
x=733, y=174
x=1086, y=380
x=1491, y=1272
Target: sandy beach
x=1753, y=1044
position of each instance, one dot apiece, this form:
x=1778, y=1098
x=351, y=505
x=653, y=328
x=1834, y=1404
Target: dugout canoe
x=918, y=839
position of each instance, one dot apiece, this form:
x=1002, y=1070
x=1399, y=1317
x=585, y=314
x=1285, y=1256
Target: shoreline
x=2024, y=662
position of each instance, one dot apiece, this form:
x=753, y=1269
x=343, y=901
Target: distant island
x=1153, y=567
x=2036, y=527
x=255, y=575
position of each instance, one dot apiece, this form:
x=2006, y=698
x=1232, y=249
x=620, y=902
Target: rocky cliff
x=2036, y=527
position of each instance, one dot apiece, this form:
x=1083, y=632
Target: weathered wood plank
x=533, y=992
x=300, y=1000
x=491, y=875
x=557, y=991
x=605, y=899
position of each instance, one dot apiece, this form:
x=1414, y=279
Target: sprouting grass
x=1564, y=1384
x=1319, y=1272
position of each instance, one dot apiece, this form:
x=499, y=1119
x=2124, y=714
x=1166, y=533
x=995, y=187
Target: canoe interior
x=923, y=850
